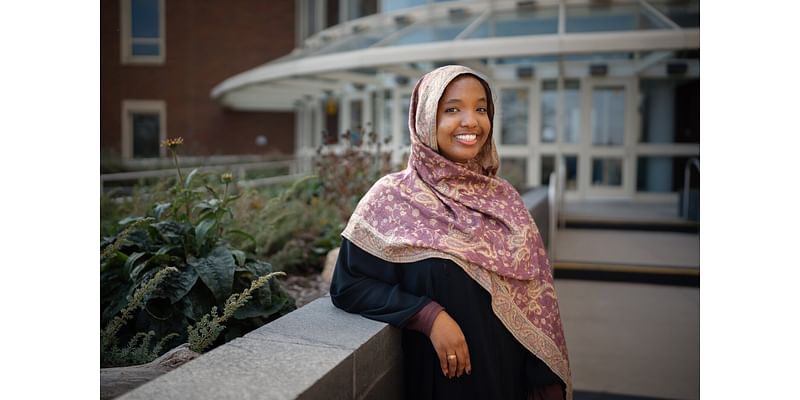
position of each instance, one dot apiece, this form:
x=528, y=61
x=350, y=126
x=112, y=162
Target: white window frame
x=130, y=107
x=126, y=41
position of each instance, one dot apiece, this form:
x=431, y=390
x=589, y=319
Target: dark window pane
x=548, y=167
x=145, y=49
x=670, y=111
x=571, y=162
x=514, y=171
x=405, y=102
x=146, y=129
x=607, y=172
x=331, y=133
x=144, y=18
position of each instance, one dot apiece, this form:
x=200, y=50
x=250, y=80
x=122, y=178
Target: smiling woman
x=462, y=119
x=447, y=251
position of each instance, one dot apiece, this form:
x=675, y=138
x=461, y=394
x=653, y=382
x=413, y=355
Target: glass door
x=609, y=114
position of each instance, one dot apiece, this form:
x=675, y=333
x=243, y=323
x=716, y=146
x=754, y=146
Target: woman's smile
x=462, y=119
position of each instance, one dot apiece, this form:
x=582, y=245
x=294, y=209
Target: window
x=670, y=111
x=143, y=128
x=608, y=116
x=142, y=31
x=514, y=171
x=547, y=168
x=607, y=172
x=571, y=111
x=515, y=116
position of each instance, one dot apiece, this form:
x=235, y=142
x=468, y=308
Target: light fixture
x=598, y=70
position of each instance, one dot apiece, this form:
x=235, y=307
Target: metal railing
x=686, y=177
x=297, y=168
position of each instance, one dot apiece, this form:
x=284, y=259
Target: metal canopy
x=375, y=50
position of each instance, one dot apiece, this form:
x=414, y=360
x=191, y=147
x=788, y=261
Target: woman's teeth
x=466, y=138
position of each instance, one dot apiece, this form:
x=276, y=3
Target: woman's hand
x=448, y=341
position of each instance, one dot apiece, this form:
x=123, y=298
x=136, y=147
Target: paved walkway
x=632, y=339
x=628, y=247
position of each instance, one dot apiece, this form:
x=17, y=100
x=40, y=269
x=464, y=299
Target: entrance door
x=608, y=169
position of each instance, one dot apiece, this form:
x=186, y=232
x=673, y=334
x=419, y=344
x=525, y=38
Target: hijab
x=438, y=208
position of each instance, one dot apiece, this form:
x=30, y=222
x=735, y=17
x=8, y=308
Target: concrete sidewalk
x=628, y=247
x=632, y=339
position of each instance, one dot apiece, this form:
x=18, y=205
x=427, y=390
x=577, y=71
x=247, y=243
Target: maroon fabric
x=422, y=321
x=437, y=208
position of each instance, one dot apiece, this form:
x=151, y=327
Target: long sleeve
x=369, y=286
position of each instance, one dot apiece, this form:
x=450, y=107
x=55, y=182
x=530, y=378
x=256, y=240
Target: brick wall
x=206, y=42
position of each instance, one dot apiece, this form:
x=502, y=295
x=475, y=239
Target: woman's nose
x=469, y=119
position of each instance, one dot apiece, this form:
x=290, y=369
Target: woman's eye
x=482, y=109
x=451, y=110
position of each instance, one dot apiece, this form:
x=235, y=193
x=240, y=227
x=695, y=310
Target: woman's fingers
x=450, y=346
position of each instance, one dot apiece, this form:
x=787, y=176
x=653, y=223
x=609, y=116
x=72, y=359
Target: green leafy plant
x=190, y=230
x=138, y=350
x=206, y=331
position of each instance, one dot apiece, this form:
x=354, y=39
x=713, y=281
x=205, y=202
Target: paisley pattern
x=467, y=214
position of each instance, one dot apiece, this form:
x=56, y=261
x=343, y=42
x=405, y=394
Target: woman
x=447, y=251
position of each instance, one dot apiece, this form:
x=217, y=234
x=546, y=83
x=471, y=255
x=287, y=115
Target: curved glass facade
x=607, y=92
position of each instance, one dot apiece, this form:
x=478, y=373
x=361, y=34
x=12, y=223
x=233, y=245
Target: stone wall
x=315, y=352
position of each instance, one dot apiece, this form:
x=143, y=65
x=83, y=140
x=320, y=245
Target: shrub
x=192, y=232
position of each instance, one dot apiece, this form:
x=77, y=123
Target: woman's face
x=462, y=119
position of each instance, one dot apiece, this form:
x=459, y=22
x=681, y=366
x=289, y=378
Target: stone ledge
x=317, y=351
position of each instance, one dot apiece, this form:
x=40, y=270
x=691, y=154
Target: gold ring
x=451, y=356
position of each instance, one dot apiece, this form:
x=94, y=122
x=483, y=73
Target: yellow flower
x=172, y=143
x=226, y=177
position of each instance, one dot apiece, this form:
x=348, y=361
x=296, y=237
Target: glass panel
x=547, y=168
x=332, y=17
x=684, y=13
x=548, y=101
x=434, y=31
x=391, y=5
x=599, y=57
x=607, y=171
x=514, y=171
x=145, y=49
x=146, y=128
x=670, y=111
x=608, y=116
x=610, y=18
x=144, y=18
x=571, y=164
x=664, y=174
x=331, y=133
x=388, y=106
x=519, y=23
x=361, y=8
x=355, y=121
x=572, y=110
x=515, y=116
x=654, y=174
x=405, y=103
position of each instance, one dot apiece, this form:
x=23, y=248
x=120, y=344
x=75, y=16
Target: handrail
x=686, y=170
x=295, y=167
x=552, y=202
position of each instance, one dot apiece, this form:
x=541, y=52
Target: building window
x=142, y=31
x=514, y=171
x=143, y=128
x=548, y=166
x=670, y=111
x=607, y=171
x=515, y=116
x=571, y=114
x=608, y=116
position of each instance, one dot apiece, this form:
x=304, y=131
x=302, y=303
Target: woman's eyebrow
x=456, y=100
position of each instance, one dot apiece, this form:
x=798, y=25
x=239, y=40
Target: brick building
x=159, y=61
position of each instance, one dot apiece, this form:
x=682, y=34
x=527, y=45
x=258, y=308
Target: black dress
x=394, y=292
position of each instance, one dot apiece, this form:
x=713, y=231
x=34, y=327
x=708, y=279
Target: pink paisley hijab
x=465, y=213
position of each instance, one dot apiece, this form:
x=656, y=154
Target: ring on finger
x=451, y=357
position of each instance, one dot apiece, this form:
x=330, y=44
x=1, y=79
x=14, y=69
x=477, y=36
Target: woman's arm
x=369, y=286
